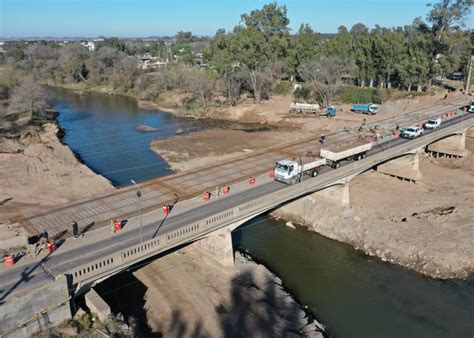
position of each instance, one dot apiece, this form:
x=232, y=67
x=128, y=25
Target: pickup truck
x=412, y=132
x=470, y=106
x=433, y=123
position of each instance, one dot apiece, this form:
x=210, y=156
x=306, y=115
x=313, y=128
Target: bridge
x=79, y=264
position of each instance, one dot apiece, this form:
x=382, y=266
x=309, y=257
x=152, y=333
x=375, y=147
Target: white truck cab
x=471, y=106
x=289, y=171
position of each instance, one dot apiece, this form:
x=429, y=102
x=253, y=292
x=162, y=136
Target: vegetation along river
x=352, y=294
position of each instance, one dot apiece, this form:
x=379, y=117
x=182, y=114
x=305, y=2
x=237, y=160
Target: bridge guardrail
x=127, y=257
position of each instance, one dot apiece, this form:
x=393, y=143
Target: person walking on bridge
x=75, y=229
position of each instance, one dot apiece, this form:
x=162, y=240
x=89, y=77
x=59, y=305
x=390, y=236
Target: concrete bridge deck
x=98, y=211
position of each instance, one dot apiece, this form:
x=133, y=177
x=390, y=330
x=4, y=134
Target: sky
x=143, y=18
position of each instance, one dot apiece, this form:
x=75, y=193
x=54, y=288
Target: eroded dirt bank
x=190, y=294
x=37, y=170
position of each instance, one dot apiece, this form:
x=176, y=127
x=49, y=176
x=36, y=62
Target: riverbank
x=188, y=294
x=38, y=171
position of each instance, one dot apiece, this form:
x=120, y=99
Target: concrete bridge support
x=406, y=167
x=97, y=305
x=452, y=146
x=36, y=311
x=219, y=246
x=336, y=194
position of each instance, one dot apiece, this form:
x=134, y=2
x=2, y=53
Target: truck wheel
x=364, y=155
x=314, y=173
x=336, y=165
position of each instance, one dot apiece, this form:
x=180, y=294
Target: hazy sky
x=135, y=18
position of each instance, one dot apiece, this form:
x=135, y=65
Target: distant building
x=90, y=45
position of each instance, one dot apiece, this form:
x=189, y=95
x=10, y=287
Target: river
x=352, y=294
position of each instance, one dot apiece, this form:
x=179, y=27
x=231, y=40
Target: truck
x=369, y=108
x=355, y=150
x=470, y=107
x=290, y=171
x=308, y=108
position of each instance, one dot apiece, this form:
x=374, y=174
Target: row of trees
x=258, y=53
x=408, y=56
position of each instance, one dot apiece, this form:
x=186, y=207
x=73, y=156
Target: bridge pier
x=406, y=167
x=452, y=146
x=219, y=246
x=336, y=194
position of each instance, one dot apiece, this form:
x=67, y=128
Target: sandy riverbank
x=190, y=294
x=38, y=171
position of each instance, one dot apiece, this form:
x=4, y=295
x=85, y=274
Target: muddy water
x=352, y=294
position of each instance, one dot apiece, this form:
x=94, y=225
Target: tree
x=445, y=15
x=304, y=46
x=325, y=72
x=28, y=97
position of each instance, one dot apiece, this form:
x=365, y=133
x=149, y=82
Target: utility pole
x=468, y=81
x=139, y=194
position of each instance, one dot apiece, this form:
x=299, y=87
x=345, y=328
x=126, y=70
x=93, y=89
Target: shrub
x=302, y=93
x=282, y=87
x=353, y=94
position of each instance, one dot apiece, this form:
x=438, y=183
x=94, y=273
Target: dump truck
x=307, y=108
x=369, y=108
x=290, y=171
x=351, y=150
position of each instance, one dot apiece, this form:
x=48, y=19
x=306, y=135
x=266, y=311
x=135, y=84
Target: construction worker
x=75, y=229
x=322, y=139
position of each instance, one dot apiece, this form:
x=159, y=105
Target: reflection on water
x=355, y=295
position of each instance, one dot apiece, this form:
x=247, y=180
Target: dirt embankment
x=37, y=171
x=189, y=294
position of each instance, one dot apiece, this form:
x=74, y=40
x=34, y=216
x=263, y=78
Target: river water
x=352, y=294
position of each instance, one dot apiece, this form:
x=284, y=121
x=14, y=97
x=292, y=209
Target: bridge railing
x=118, y=261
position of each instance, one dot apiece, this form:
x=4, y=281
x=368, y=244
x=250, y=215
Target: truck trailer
x=334, y=154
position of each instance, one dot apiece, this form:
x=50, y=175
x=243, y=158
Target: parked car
x=412, y=132
x=433, y=123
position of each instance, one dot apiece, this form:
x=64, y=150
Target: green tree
x=444, y=16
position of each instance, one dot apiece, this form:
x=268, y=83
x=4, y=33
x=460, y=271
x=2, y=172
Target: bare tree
x=28, y=97
x=325, y=72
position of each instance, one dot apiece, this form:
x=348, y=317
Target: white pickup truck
x=471, y=107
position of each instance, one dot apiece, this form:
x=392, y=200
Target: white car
x=412, y=132
x=471, y=107
x=433, y=123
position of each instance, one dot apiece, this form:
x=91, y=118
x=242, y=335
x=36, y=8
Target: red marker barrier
x=206, y=196
x=9, y=260
x=272, y=173
x=51, y=246
x=252, y=180
x=166, y=209
x=117, y=225
x=225, y=189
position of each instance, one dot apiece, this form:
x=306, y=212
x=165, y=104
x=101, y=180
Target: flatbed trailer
x=336, y=153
